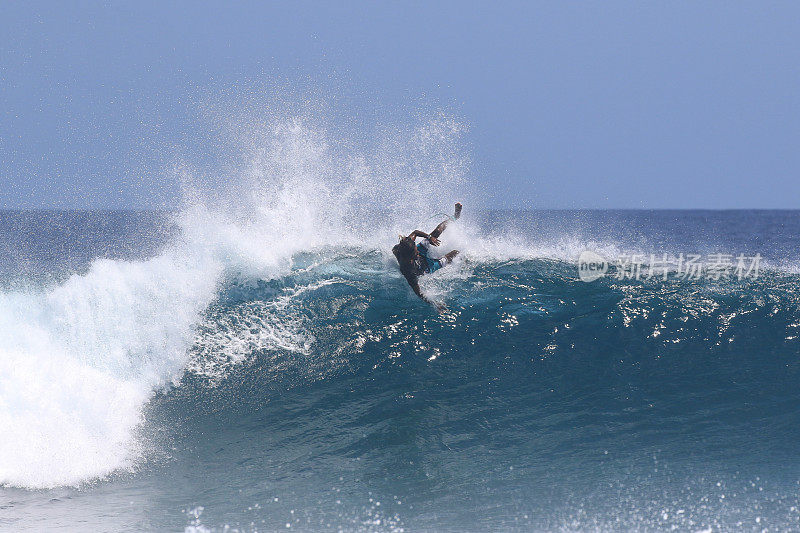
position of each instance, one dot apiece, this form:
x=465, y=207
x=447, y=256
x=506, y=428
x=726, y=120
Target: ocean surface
x=198, y=370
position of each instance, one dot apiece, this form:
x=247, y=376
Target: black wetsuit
x=419, y=265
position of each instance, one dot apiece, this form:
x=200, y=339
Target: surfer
x=414, y=259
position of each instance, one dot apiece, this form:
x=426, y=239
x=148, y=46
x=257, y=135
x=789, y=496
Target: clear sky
x=569, y=104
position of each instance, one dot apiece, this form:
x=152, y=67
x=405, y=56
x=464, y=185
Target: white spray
x=78, y=362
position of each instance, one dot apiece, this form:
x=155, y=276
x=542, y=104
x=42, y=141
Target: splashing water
x=79, y=360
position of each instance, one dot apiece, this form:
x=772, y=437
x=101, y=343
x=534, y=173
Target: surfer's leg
x=448, y=257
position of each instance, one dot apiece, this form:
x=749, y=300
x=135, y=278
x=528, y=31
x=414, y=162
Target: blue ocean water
x=186, y=371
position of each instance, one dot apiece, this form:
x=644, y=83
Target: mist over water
x=81, y=358
x=254, y=359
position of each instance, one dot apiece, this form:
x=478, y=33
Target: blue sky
x=569, y=104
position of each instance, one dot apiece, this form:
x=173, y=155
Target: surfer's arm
x=419, y=233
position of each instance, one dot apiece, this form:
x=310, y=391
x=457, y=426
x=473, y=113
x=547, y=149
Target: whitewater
x=80, y=359
x=254, y=360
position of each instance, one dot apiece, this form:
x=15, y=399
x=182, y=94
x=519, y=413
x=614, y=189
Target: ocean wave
x=80, y=361
x=287, y=279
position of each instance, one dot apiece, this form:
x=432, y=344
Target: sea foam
x=79, y=361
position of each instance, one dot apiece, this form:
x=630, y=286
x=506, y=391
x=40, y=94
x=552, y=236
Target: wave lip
x=79, y=361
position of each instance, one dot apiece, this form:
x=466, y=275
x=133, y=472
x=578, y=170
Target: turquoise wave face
x=214, y=380
x=534, y=399
x=338, y=314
